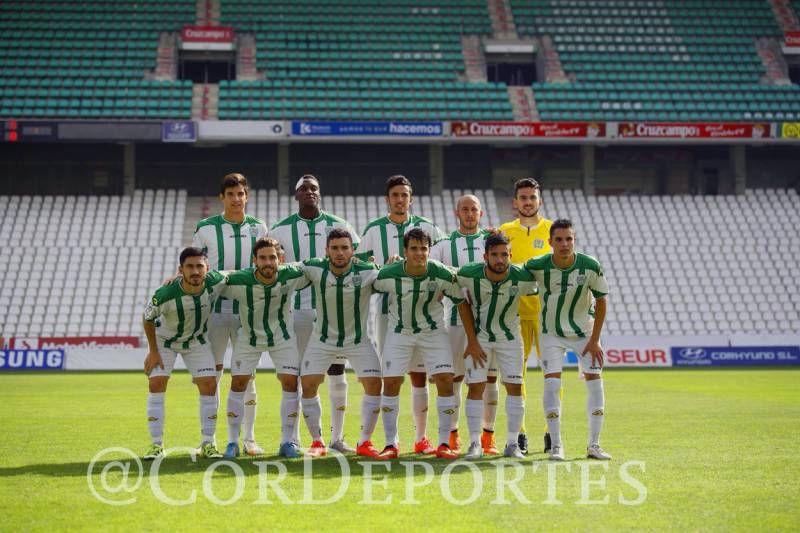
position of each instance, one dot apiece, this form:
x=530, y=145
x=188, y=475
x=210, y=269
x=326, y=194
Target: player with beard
x=303, y=236
x=529, y=235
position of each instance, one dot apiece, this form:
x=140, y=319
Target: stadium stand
x=686, y=268
x=85, y=265
x=693, y=265
x=89, y=59
x=360, y=60
x=657, y=60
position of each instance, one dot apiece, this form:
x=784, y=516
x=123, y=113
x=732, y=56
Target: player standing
x=415, y=287
x=529, y=236
x=343, y=292
x=264, y=294
x=176, y=322
x=573, y=289
x=462, y=246
x=228, y=240
x=493, y=288
x=383, y=240
x=303, y=235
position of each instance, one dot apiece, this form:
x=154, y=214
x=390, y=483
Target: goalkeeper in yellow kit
x=529, y=236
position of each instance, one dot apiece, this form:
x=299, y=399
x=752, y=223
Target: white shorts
x=222, y=327
x=320, y=356
x=198, y=361
x=504, y=355
x=431, y=347
x=284, y=356
x=554, y=348
x=417, y=363
x=303, y=325
x=458, y=343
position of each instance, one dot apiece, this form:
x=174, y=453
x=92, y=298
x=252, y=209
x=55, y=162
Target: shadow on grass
x=324, y=467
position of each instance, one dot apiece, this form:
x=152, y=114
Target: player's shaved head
x=468, y=198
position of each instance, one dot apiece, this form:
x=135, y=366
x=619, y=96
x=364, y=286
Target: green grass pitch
x=714, y=450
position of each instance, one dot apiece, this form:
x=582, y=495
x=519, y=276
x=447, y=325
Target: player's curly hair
x=267, y=242
x=416, y=234
x=495, y=238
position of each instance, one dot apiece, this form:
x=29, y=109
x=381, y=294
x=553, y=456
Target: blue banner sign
x=391, y=129
x=735, y=355
x=47, y=359
x=184, y=131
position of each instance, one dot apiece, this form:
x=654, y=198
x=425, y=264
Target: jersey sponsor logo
x=315, y=234
x=538, y=243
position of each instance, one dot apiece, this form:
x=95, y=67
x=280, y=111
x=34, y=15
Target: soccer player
x=493, y=288
x=529, y=237
x=264, y=294
x=176, y=322
x=344, y=287
x=303, y=236
x=462, y=246
x=383, y=241
x=573, y=289
x=228, y=241
x=415, y=287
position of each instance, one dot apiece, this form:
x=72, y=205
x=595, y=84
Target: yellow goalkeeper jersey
x=528, y=243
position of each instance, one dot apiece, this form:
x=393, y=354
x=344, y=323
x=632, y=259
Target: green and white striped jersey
x=494, y=305
x=229, y=246
x=415, y=301
x=383, y=238
x=306, y=239
x=342, y=301
x=456, y=250
x=567, y=304
x=265, y=309
x=182, y=319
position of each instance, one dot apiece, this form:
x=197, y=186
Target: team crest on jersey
x=514, y=290
x=356, y=280
x=285, y=289
x=538, y=243
x=253, y=231
x=581, y=279
x=328, y=229
x=431, y=287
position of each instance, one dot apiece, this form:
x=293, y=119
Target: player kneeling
x=493, y=289
x=344, y=287
x=175, y=323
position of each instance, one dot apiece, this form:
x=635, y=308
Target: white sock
x=155, y=417
x=444, y=406
x=312, y=412
x=474, y=409
x=551, y=401
x=595, y=409
x=370, y=408
x=457, y=396
x=419, y=407
x=390, y=408
x=491, y=395
x=249, y=418
x=289, y=415
x=515, y=412
x=298, y=421
x=208, y=418
x=219, y=384
x=235, y=412
x=337, y=395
